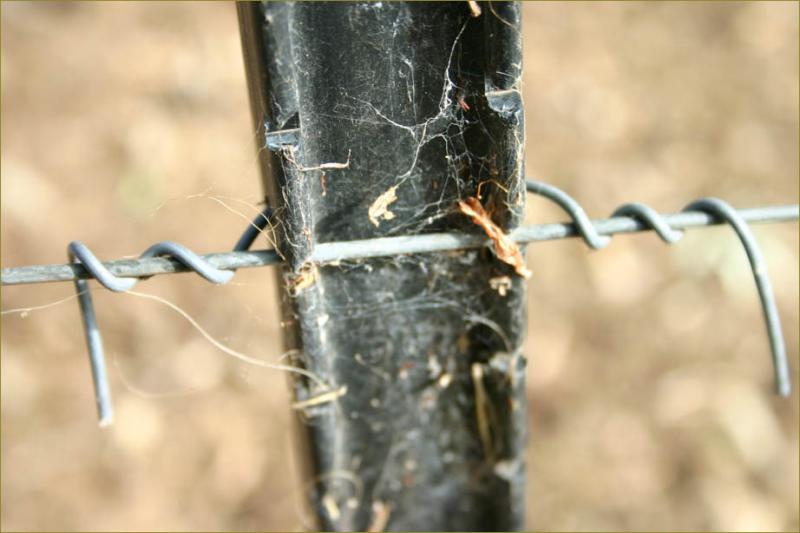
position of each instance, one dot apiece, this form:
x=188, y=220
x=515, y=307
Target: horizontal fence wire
x=169, y=257
x=332, y=252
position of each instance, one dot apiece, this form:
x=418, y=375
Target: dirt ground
x=650, y=385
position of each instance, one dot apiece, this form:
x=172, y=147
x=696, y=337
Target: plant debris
x=289, y=155
x=482, y=413
x=505, y=249
x=501, y=284
x=320, y=399
x=380, y=207
x=304, y=279
x=380, y=516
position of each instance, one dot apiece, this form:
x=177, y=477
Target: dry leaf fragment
x=380, y=207
x=505, y=249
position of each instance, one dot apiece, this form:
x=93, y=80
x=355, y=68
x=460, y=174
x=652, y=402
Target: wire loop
x=758, y=265
x=80, y=253
x=712, y=206
x=575, y=211
x=652, y=218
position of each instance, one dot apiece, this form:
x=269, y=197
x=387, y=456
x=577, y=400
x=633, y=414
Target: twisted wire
x=171, y=257
x=714, y=207
x=331, y=252
x=573, y=208
x=80, y=253
x=651, y=218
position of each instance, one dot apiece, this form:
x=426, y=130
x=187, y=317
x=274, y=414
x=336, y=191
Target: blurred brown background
x=650, y=387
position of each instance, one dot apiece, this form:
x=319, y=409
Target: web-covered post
x=382, y=119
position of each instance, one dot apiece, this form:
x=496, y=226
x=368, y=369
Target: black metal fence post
x=375, y=120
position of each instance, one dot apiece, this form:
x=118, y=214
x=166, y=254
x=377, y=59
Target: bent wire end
x=102, y=391
x=584, y=226
x=724, y=211
x=79, y=253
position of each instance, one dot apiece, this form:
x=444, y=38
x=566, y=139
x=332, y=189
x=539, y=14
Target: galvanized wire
x=714, y=207
x=78, y=253
x=758, y=266
x=386, y=246
x=169, y=257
